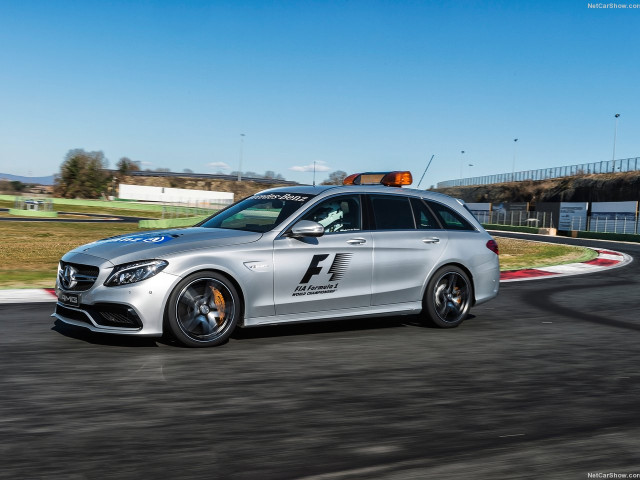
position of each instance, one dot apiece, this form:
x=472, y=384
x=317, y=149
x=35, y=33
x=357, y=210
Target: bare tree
x=125, y=166
x=335, y=178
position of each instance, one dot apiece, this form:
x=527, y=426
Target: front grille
x=85, y=276
x=72, y=314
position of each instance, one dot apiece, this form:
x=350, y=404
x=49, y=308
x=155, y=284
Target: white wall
x=172, y=195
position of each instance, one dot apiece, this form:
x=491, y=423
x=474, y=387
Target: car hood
x=160, y=243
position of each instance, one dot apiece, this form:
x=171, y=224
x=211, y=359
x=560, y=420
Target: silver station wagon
x=285, y=255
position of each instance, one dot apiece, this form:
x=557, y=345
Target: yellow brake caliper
x=458, y=297
x=218, y=299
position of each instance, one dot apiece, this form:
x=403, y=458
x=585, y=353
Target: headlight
x=134, y=272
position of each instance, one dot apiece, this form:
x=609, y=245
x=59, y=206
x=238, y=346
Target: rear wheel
x=448, y=297
x=203, y=310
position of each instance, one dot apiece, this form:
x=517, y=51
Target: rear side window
x=424, y=218
x=450, y=219
x=392, y=212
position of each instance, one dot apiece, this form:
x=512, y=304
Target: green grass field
x=516, y=254
x=30, y=251
x=116, y=210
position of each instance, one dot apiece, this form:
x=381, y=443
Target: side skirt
x=409, y=308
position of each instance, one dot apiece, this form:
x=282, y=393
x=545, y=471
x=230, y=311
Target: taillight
x=493, y=246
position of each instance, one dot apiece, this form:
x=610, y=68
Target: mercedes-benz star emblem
x=68, y=277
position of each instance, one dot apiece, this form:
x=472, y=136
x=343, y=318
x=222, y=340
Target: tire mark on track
x=543, y=300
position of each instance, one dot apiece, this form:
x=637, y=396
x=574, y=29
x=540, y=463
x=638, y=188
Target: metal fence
x=618, y=224
x=192, y=209
x=595, y=223
x=610, y=166
x=43, y=205
x=516, y=218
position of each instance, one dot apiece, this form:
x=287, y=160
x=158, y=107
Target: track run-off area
x=542, y=382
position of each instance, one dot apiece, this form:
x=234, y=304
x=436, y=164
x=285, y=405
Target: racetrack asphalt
x=541, y=382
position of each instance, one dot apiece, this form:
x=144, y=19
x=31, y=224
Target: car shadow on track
x=337, y=326
x=241, y=334
x=79, y=333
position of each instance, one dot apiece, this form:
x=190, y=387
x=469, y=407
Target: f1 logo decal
x=313, y=269
x=337, y=269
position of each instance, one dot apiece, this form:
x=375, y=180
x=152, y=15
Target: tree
x=125, y=166
x=82, y=175
x=335, y=178
x=17, y=186
x=187, y=170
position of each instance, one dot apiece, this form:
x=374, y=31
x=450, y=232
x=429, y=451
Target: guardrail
x=516, y=218
x=626, y=224
x=610, y=166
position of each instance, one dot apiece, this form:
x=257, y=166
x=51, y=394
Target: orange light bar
x=389, y=179
x=397, y=179
x=350, y=179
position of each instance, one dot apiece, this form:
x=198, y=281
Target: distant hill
x=36, y=180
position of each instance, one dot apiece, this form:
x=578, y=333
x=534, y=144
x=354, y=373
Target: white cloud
x=320, y=167
x=146, y=164
x=219, y=165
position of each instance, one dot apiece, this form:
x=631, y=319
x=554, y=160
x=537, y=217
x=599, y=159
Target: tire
x=203, y=310
x=448, y=298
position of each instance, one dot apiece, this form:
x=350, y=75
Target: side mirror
x=306, y=228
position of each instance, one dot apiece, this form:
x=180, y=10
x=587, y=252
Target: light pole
x=513, y=165
x=470, y=165
x=615, y=134
x=240, y=164
x=314, y=173
x=461, y=156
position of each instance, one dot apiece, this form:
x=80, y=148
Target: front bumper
x=135, y=309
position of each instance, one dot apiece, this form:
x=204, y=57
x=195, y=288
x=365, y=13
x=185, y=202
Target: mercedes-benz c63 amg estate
x=286, y=255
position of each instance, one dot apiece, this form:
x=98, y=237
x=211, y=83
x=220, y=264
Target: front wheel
x=203, y=310
x=447, y=298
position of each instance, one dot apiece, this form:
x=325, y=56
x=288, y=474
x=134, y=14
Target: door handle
x=431, y=240
x=356, y=241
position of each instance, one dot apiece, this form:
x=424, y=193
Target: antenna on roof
x=425, y=170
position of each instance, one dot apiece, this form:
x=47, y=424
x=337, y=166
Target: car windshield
x=259, y=213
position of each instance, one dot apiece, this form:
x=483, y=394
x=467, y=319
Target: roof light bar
x=389, y=179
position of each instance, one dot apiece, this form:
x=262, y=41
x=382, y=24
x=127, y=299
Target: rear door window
x=450, y=219
x=392, y=212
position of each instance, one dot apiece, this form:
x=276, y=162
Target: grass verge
x=516, y=254
x=100, y=209
x=29, y=252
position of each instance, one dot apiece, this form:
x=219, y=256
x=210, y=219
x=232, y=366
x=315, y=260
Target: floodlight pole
x=240, y=163
x=314, y=173
x=615, y=134
x=513, y=165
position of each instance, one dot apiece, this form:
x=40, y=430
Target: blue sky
x=352, y=85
